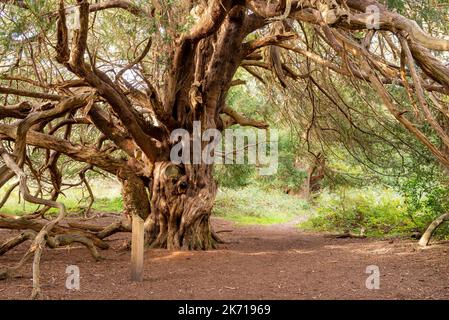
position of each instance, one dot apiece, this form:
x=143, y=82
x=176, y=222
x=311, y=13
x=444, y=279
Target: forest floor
x=257, y=262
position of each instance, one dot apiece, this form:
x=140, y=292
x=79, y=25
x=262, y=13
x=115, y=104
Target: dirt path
x=273, y=262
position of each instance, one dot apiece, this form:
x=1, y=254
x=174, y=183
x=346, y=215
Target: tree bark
x=315, y=174
x=181, y=204
x=424, y=241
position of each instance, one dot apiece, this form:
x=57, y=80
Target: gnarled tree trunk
x=182, y=197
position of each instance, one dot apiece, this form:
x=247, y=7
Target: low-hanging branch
x=242, y=120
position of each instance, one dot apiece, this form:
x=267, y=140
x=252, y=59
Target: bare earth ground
x=272, y=262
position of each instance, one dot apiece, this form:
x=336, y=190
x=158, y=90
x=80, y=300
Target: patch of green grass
x=114, y=205
x=252, y=205
x=17, y=209
x=107, y=199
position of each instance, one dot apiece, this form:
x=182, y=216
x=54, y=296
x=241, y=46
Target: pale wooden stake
x=137, y=249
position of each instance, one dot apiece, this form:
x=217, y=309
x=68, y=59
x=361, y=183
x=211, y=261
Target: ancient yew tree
x=104, y=83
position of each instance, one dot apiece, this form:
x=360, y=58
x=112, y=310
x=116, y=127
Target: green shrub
x=287, y=175
x=376, y=211
x=234, y=176
x=426, y=196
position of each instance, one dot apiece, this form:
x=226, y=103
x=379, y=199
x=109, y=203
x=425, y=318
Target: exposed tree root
x=84, y=226
x=59, y=236
x=216, y=238
x=42, y=234
x=24, y=223
x=347, y=235
x=90, y=236
x=15, y=241
x=120, y=226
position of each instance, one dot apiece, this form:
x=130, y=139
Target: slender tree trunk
x=424, y=241
x=315, y=174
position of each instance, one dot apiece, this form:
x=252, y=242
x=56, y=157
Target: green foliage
x=288, y=176
x=411, y=207
x=234, y=176
x=250, y=102
x=426, y=195
x=376, y=211
x=252, y=205
x=399, y=5
x=247, y=101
